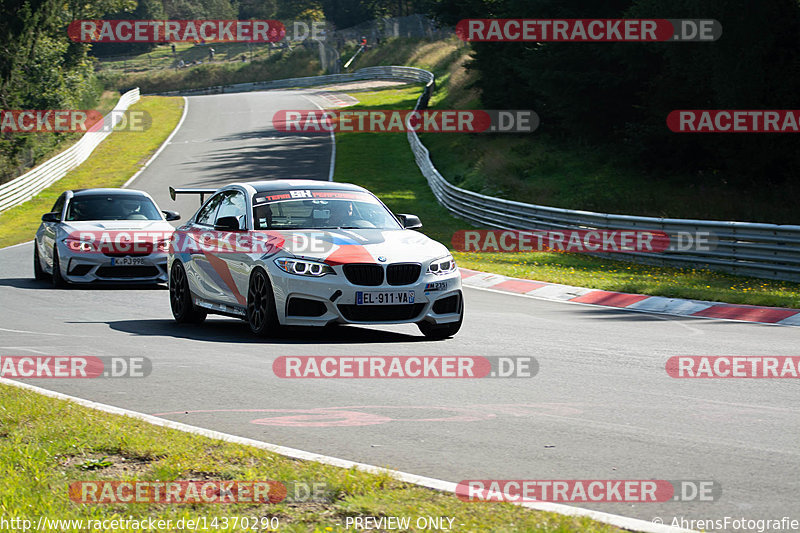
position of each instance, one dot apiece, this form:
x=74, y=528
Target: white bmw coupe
x=310, y=253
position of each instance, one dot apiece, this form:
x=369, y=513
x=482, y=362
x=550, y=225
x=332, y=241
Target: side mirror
x=55, y=216
x=410, y=221
x=227, y=224
x=171, y=215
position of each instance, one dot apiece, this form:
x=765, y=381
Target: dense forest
x=40, y=68
x=620, y=94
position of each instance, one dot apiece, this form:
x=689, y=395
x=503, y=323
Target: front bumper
x=98, y=267
x=306, y=301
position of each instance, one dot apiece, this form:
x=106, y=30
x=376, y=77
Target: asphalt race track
x=601, y=407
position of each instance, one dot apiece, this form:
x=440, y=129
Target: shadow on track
x=263, y=154
x=689, y=321
x=25, y=283
x=232, y=330
x=30, y=283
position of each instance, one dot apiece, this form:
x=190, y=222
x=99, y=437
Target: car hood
x=117, y=225
x=337, y=247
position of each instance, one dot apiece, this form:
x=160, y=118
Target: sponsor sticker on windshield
x=307, y=194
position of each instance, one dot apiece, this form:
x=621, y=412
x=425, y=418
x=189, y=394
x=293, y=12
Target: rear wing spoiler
x=202, y=192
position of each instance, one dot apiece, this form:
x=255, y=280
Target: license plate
x=127, y=261
x=384, y=297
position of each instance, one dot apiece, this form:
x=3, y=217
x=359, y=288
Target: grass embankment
x=383, y=163
x=161, y=57
x=115, y=160
x=227, y=67
x=39, y=459
x=540, y=169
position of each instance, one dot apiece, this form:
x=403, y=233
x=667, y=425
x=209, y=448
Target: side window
x=58, y=207
x=206, y=216
x=233, y=205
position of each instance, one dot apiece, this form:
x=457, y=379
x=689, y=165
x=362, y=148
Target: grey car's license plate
x=127, y=261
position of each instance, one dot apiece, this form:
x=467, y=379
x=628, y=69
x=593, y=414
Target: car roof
x=277, y=185
x=117, y=192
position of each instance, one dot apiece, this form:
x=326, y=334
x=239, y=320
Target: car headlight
x=442, y=266
x=163, y=246
x=303, y=267
x=77, y=245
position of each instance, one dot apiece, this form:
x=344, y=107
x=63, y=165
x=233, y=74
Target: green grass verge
x=383, y=163
x=39, y=459
x=546, y=170
x=115, y=160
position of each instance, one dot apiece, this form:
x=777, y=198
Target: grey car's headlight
x=77, y=245
x=303, y=267
x=444, y=265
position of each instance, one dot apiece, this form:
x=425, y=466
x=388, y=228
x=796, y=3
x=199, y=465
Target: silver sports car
x=103, y=235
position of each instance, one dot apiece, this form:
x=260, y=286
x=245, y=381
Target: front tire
x=438, y=333
x=58, y=280
x=261, y=314
x=38, y=272
x=180, y=297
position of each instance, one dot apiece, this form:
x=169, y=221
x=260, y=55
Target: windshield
x=112, y=207
x=322, y=210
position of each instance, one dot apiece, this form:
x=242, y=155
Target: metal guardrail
x=368, y=73
x=28, y=185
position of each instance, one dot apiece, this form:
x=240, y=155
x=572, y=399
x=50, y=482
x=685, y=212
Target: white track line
x=633, y=524
x=333, y=141
x=163, y=145
x=15, y=245
x=35, y=332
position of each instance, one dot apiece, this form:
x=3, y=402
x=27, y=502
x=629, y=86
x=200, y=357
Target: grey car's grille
x=127, y=272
